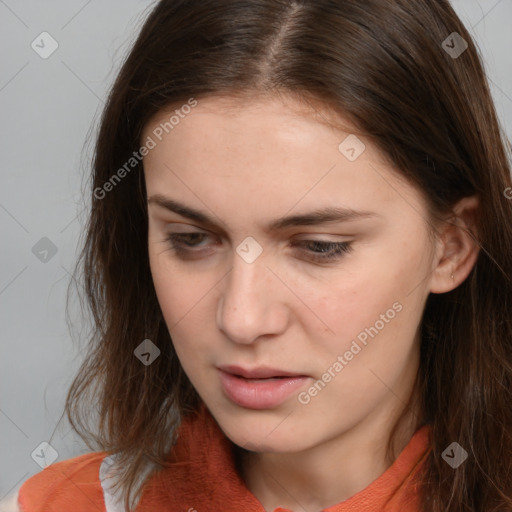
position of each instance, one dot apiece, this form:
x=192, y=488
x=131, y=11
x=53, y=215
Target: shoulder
x=72, y=484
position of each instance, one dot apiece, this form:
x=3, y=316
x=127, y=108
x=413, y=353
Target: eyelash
x=337, y=249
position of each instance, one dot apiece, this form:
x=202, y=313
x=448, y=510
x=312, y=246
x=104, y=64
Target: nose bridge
x=247, y=307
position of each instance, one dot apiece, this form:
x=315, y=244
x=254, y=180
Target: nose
x=252, y=302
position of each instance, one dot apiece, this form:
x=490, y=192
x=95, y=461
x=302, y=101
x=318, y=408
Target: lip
x=259, y=388
x=257, y=373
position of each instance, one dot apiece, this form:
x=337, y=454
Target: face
x=318, y=315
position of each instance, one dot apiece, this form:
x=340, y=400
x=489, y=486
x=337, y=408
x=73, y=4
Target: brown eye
x=323, y=250
x=187, y=245
x=185, y=239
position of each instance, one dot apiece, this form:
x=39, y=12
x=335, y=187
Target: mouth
x=260, y=379
x=260, y=373
x=259, y=388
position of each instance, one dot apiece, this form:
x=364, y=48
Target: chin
x=270, y=431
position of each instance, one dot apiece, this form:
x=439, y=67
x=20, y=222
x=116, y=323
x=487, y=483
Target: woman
x=298, y=260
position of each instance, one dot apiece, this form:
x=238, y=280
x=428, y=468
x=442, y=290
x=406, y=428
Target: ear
x=456, y=247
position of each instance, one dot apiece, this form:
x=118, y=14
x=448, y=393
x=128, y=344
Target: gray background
x=48, y=109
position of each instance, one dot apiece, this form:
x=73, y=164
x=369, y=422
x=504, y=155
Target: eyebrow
x=317, y=216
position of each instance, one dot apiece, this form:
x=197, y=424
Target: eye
x=325, y=251
x=185, y=245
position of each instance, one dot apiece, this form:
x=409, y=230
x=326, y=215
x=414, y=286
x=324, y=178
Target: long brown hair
x=383, y=65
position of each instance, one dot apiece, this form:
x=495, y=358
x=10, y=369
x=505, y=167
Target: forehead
x=266, y=154
x=265, y=118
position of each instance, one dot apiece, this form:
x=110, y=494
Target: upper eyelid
x=331, y=240
x=193, y=229
x=297, y=242
x=294, y=240
x=337, y=249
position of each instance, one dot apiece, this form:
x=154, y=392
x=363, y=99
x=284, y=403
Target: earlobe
x=458, y=247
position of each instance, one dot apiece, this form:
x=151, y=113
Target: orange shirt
x=206, y=480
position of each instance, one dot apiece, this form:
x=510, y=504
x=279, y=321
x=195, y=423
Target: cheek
x=382, y=299
x=375, y=327
x=178, y=286
x=185, y=301
x=174, y=288
x=177, y=298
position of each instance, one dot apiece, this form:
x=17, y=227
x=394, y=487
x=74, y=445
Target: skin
x=246, y=162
